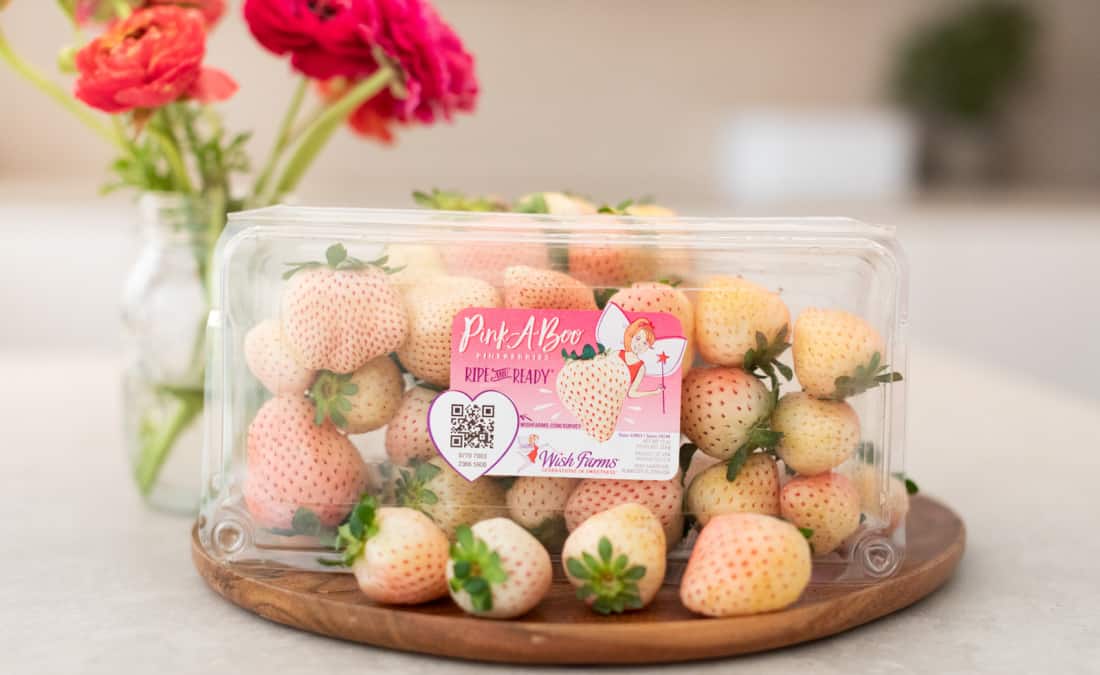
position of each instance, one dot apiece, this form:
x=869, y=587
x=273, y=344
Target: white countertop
x=92, y=582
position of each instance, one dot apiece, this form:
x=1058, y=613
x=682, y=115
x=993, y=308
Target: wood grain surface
x=562, y=630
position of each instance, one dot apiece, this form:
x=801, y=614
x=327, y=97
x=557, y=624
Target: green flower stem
x=59, y=95
x=155, y=450
x=168, y=143
x=321, y=130
x=282, y=139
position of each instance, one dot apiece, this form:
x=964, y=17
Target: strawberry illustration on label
x=593, y=386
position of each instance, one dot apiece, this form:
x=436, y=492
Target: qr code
x=472, y=425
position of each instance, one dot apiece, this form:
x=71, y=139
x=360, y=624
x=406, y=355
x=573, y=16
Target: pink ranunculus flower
x=147, y=60
x=328, y=39
x=320, y=36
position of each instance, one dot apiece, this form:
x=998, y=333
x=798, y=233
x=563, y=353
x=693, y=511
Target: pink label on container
x=585, y=394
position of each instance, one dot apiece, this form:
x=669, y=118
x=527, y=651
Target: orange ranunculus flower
x=149, y=59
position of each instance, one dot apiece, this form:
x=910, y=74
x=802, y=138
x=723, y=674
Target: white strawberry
x=497, y=569
x=729, y=314
x=339, y=314
x=616, y=559
x=593, y=386
x=413, y=262
x=432, y=306
x=361, y=401
x=664, y=498
x=398, y=555
x=407, y=436
x=294, y=464
x=826, y=504
x=817, y=435
x=652, y=296
x=538, y=504
x=444, y=495
x=891, y=507
x=725, y=410
x=745, y=563
x=754, y=489
x=530, y=288
x=838, y=354
x=272, y=363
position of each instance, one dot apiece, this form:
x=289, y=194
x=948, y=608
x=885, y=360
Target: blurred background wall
x=736, y=107
x=616, y=97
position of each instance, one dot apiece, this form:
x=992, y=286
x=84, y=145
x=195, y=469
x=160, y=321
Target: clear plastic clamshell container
x=546, y=368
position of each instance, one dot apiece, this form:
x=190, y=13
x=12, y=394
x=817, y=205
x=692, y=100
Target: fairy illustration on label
x=637, y=344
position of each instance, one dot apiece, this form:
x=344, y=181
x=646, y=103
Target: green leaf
x=577, y=568
x=687, y=453
x=462, y=569
x=911, y=487
x=604, y=548
x=465, y=537
x=335, y=255
x=476, y=585
x=635, y=573
x=734, y=464
x=305, y=521
x=806, y=532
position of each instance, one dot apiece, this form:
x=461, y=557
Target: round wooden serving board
x=562, y=630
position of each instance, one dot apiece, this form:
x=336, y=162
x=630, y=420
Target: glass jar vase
x=165, y=308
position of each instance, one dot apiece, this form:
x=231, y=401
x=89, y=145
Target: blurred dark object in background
x=957, y=74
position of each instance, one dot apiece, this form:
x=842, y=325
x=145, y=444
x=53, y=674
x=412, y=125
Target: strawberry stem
x=610, y=581
x=329, y=394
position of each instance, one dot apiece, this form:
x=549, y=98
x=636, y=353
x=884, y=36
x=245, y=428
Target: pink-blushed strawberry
x=432, y=306
x=399, y=556
x=407, y=436
x=530, y=288
x=664, y=498
x=653, y=296
x=616, y=559
x=724, y=411
x=450, y=500
x=538, y=504
x=488, y=262
x=497, y=570
x=361, y=401
x=730, y=312
x=754, y=489
x=837, y=354
x=593, y=386
x=826, y=504
x=890, y=506
x=745, y=563
x=339, y=314
x=612, y=265
x=818, y=435
x=294, y=464
x=272, y=363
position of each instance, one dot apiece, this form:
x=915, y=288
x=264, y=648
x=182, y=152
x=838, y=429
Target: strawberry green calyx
x=337, y=258
x=476, y=568
x=551, y=532
x=587, y=354
x=412, y=486
x=687, y=453
x=352, y=536
x=610, y=581
x=452, y=200
x=763, y=360
x=603, y=296
x=808, y=534
x=617, y=210
x=911, y=486
x=329, y=395
x=865, y=377
x=760, y=438
x=535, y=203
